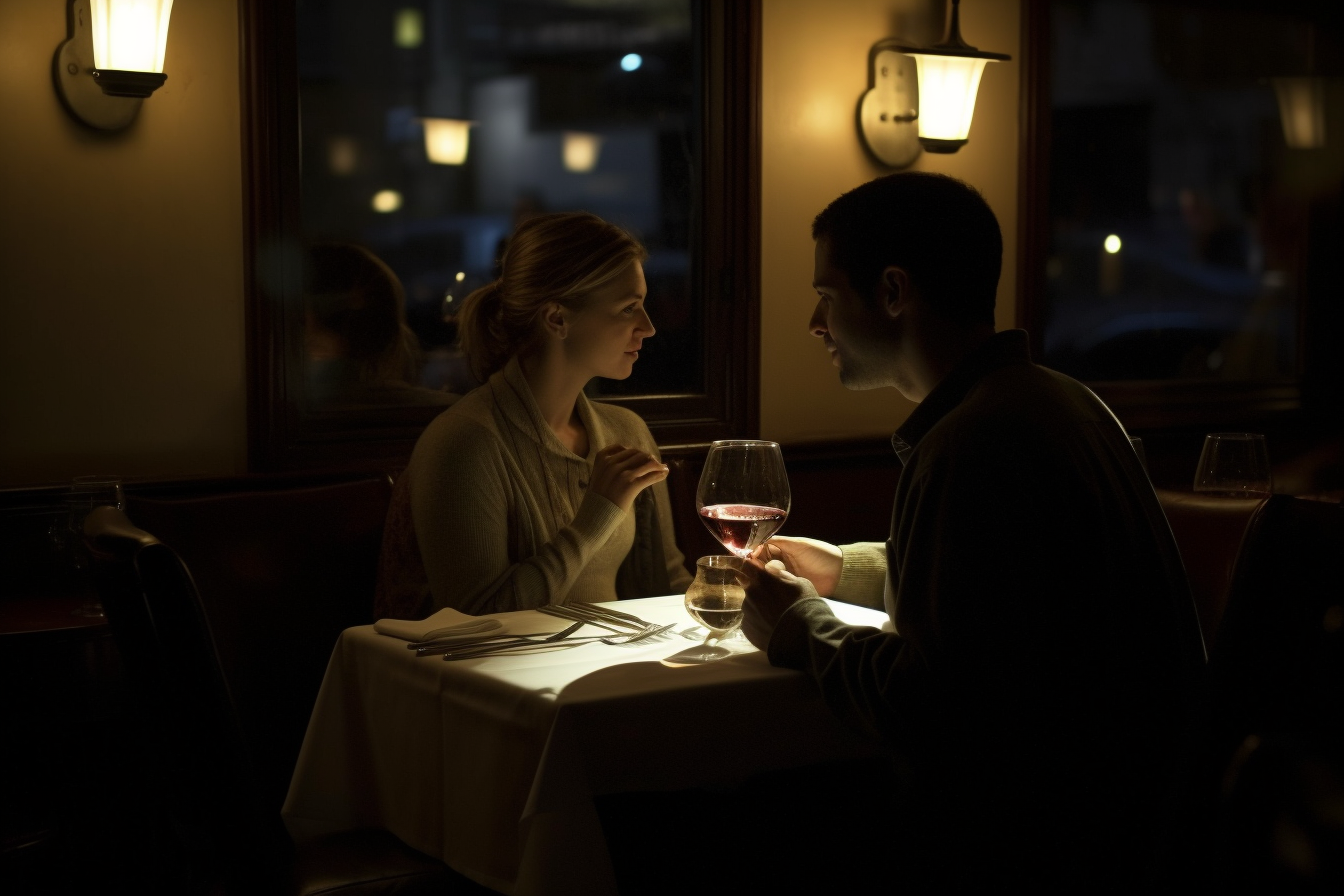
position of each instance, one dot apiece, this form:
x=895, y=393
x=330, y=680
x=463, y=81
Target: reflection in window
x=1188, y=146
x=431, y=128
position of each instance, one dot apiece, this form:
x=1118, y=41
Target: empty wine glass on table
x=1234, y=465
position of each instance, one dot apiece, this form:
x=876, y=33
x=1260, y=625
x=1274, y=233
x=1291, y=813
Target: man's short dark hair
x=939, y=229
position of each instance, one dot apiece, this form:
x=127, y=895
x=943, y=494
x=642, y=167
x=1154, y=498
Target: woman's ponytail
x=481, y=330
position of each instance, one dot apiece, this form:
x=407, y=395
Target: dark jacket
x=1045, y=634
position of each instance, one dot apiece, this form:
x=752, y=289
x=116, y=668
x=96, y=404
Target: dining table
x=495, y=764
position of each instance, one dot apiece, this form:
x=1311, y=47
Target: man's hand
x=806, y=558
x=770, y=591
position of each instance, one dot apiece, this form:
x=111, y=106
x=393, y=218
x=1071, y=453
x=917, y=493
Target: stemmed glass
x=743, y=496
x=1234, y=465
x=743, y=499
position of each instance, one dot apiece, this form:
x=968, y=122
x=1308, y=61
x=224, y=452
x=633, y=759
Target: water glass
x=1234, y=465
x=714, y=599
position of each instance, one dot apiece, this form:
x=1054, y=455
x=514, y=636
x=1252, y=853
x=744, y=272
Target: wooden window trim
x=726, y=273
x=1140, y=405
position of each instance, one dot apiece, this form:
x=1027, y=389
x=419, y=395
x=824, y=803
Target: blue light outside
x=631, y=61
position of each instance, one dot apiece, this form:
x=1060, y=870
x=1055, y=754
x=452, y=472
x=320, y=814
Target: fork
x=656, y=631
x=458, y=652
x=569, y=612
x=552, y=642
x=611, y=616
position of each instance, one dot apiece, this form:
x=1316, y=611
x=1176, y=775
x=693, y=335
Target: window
x=423, y=131
x=1184, y=176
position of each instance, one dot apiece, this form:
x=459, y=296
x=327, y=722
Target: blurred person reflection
x=359, y=349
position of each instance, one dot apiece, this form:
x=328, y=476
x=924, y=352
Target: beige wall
x=121, y=297
x=815, y=58
x=121, y=309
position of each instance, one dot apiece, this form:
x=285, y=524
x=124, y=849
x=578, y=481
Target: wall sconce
x=1302, y=111
x=113, y=59
x=581, y=151
x=936, y=104
x=446, y=140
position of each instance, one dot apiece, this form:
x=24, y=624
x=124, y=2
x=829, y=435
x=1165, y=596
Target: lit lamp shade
x=947, y=89
x=446, y=140
x=1302, y=110
x=581, y=151
x=949, y=78
x=129, y=35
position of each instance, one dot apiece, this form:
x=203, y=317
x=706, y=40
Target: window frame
x=725, y=256
x=1142, y=405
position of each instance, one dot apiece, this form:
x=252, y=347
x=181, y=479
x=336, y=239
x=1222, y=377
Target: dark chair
x=280, y=573
x=200, y=756
x=1275, y=677
x=1209, y=532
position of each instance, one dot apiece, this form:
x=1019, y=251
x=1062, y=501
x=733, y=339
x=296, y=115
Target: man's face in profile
x=853, y=326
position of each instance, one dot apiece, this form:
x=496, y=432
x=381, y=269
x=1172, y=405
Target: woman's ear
x=553, y=319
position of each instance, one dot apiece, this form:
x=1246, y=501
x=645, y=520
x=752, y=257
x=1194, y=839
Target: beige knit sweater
x=500, y=509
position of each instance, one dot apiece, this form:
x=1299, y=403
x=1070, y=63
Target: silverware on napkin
x=453, y=651
x=631, y=637
x=601, y=616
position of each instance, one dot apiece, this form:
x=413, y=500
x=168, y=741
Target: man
x=1043, y=631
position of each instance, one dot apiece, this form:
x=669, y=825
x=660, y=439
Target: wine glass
x=743, y=496
x=1234, y=465
x=714, y=599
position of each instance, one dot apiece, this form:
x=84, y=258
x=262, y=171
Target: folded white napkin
x=446, y=623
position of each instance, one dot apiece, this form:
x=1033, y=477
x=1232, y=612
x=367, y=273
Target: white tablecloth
x=491, y=764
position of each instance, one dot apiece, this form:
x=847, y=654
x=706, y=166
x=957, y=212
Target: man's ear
x=894, y=290
x=553, y=319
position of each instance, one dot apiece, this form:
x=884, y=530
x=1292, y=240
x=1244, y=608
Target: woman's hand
x=621, y=473
x=807, y=558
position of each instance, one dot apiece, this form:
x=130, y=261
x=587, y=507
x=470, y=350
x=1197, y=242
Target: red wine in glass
x=742, y=528
x=743, y=495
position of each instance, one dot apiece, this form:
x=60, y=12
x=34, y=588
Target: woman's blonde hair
x=562, y=258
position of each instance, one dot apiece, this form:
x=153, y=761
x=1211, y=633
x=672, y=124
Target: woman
x=525, y=493
x=360, y=350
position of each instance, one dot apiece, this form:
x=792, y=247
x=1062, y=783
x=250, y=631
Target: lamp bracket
x=888, y=110
x=107, y=100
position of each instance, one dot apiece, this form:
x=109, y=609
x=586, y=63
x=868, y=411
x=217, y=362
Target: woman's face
x=605, y=336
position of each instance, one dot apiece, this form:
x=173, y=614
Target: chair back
x=1209, y=533
x=192, y=749
x=1284, y=621
x=1274, y=676
x=279, y=574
